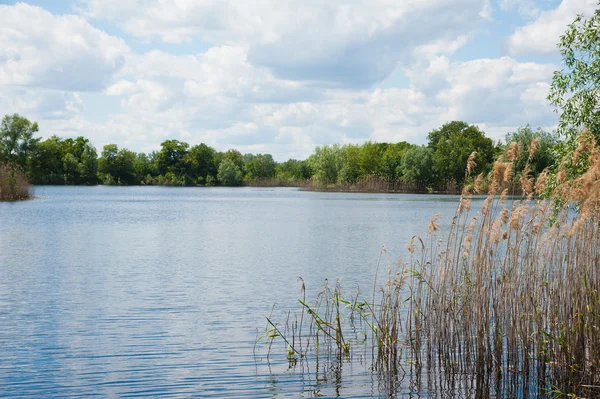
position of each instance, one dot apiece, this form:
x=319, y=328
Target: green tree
x=575, y=91
x=125, y=167
x=417, y=165
x=202, y=161
x=293, y=169
x=391, y=160
x=17, y=143
x=229, y=173
x=145, y=169
x=236, y=157
x=544, y=156
x=370, y=157
x=350, y=160
x=171, y=157
x=261, y=166
x=107, y=164
x=47, y=165
x=452, y=144
x=326, y=162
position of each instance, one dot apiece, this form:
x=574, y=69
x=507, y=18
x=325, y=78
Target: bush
x=13, y=184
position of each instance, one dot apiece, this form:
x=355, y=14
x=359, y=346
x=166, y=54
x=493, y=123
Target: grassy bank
x=508, y=302
x=13, y=184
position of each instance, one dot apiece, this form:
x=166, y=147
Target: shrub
x=13, y=183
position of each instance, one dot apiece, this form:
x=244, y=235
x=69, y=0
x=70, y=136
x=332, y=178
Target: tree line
x=438, y=165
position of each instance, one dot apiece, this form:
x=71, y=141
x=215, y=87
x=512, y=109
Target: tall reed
x=510, y=299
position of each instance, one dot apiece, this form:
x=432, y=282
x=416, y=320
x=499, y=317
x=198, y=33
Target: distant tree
x=125, y=167
x=145, y=169
x=370, y=157
x=47, y=165
x=229, y=173
x=351, y=163
x=117, y=166
x=293, y=169
x=171, y=157
x=202, y=161
x=261, y=166
x=417, y=165
x=17, y=143
x=326, y=162
x=64, y=161
x=452, y=144
x=544, y=156
x=107, y=164
x=391, y=160
x=236, y=157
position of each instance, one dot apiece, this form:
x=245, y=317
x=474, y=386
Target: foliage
x=544, y=143
x=203, y=163
x=171, y=157
x=261, y=166
x=64, y=161
x=575, y=92
x=229, y=173
x=293, y=169
x=13, y=183
x=452, y=144
x=417, y=165
x=16, y=140
x=326, y=162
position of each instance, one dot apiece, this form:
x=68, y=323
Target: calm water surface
x=157, y=291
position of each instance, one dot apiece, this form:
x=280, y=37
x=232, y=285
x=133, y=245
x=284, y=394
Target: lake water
x=158, y=291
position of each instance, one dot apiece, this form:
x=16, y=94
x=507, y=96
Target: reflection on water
x=155, y=291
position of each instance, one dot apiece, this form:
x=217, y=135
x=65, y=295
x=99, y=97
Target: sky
x=279, y=76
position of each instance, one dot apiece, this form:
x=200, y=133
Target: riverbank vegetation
x=380, y=167
x=505, y=303
x=14, y=185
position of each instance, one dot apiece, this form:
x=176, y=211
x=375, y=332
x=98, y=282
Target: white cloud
x=343, y=43
x=60, y=52
x=43, y=103
x=542, y=35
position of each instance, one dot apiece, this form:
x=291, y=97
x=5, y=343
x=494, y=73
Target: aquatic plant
x=508, y=301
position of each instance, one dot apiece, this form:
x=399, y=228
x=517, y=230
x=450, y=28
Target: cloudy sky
x=278, y=76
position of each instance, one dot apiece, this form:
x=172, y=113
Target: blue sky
x=279, y=76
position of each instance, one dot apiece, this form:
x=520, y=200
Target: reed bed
x=13, y=184
x=508, y=302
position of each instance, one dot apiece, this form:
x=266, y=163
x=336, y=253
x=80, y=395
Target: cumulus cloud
x=541, y=35
x=44, y=104
x=60, y=52
x=342, y=43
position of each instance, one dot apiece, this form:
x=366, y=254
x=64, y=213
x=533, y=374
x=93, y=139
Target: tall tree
x=417, y=165
x=262, y=166
x=17, y=143
x=452, y=144
x=171, y=157
x=202, y=162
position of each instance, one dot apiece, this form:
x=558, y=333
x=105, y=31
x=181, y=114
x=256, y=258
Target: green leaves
x=575, y=91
